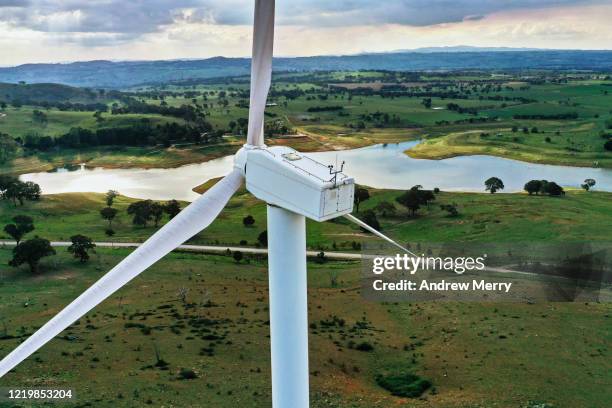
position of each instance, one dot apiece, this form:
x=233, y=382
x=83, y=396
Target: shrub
x=365, y=346
x=248, y=220
x=404, y=385
x=263, y=238
x=187, y=374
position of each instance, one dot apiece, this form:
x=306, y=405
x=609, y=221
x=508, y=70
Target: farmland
x=543, y=117
x=195, y=326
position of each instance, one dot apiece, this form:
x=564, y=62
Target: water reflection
x=377, y=166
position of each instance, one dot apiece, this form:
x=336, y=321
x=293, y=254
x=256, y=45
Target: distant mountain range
x=129, y=73
x=468, y=48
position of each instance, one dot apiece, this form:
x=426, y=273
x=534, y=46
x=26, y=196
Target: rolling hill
x=129, y=73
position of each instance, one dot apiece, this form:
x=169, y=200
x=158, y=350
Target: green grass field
x=544, y=355
x=579, y=216
x=496, y=97
x=475, y=354
x=503, y=355
x=18, y=122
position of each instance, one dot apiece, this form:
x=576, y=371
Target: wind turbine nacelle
x=286, y=178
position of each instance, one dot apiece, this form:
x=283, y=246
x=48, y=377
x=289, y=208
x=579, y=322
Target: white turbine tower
x=294, y=186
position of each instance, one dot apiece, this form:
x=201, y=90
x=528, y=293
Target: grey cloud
x=112, y=16
x=13, y=3
x=405, y=12
x=120, y=20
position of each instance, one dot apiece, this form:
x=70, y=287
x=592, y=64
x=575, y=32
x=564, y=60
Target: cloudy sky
x=72, y=30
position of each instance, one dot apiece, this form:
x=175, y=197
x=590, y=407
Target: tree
x=8, y=148
x=17, y=191
x=157, y=212
x=5, y=182
x=608, y=145
x=385, y=208
x=110, y=197
x=238, y=256
x=425, y=196
x=22, y=224
x=31, y=191
x=109, y=232
x=361, y=195
x=172, y=208
x=410, y=199
x=451, y=209
x=31, y=252
x=588, y=183
x=81, y=245
x=141, y=210
x=493, y=184
x=369, y=217
x=248, y=220
x=109, y=213
x=39, y=117
x=533, y=186
x=263, y=238
x=553, y=189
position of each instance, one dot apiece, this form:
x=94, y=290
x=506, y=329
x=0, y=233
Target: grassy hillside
x=19, y=122
x=579, y=216
x=545, y=117
x=506, y=355
x=475, y=354
x=49, y=93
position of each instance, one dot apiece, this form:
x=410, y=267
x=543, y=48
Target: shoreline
x=440, y=148
x=108, y=158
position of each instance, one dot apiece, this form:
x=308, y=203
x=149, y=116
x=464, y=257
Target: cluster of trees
x=142, y=212
x=543, y=187
x=8, y=148
x=494, y=184
x=552, y=116
x=416, y=197
x=325, y=108
x=276, y=128
x=460, y=109
x=141, y=134
x=31, y=251
x=61, y=106
x=145, y=211
x=412, y=200
x=133, y=105
x=17, y=191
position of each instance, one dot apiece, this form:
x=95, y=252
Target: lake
x=377, y=166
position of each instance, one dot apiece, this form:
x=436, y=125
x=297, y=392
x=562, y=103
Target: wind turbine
x=293, y=185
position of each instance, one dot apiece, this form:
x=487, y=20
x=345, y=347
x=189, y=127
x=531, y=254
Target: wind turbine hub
x=284, y=177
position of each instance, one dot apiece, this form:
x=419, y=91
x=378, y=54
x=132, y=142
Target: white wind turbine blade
x=261, y=68
x=194, y=218
x=377, y=233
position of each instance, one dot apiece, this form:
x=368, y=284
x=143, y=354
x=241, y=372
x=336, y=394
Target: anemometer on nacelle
x=286, y=178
